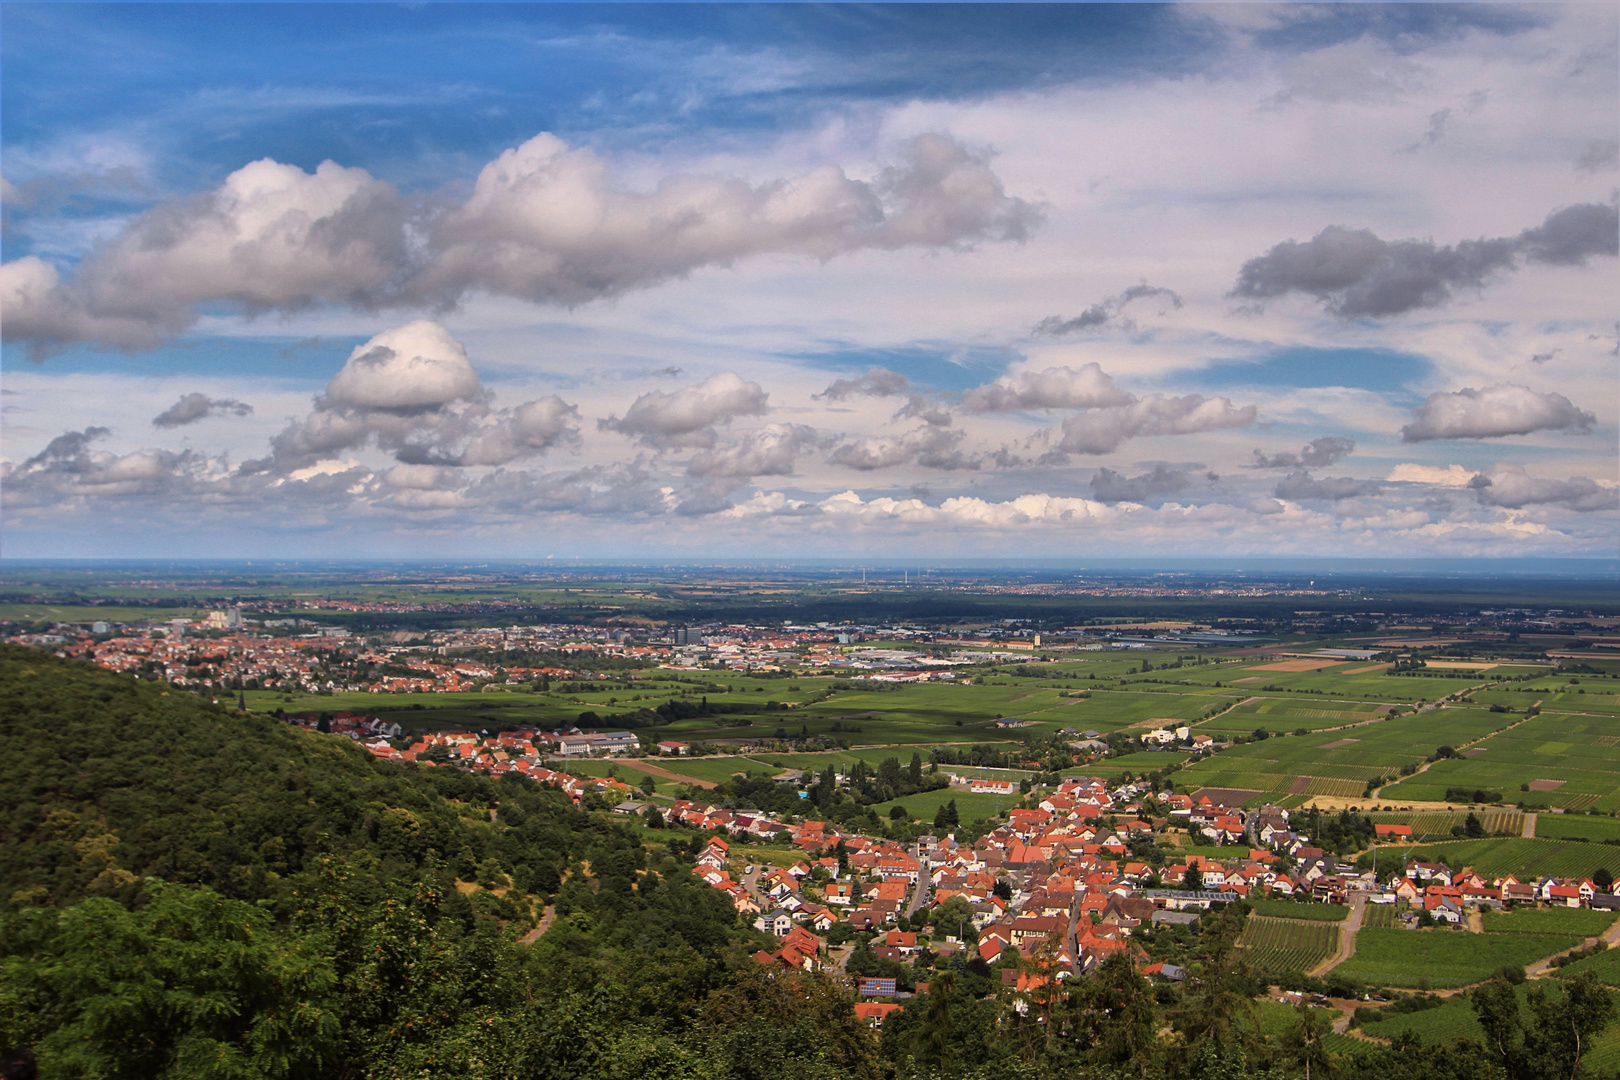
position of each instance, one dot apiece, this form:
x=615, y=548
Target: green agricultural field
x=1380, y=916
x=1577, y=827
x=1521, y=857
x=1429, y=825
x=1602, y=697
x=1336, y=681
x=1576, y=921
x=1242, y=722
x=1110, y=710
x=1580, y=755
x=1208, y=851
x=83, y=614
x=969, y=807
x=1338, y=762
x=1137, y=764
x=1455, y=1019
x=1276, y=946
x=1444, y=957
x=714, y=770
x=1274, y=1016
x=809, y=762
x=1605, y=965
x=1300, y=909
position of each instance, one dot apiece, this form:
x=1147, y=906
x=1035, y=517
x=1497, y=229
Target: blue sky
x=980, y=280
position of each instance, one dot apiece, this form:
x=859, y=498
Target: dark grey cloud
x=68, y=452
x=926, y=409
x=1298, y=486
x=1316, y=454
x=1599, y=155
x=1110, y=486
x=1493, y=412
x=194, y=407
x=1356, y=274
x=1103, y=312
x=877, y=382
x=1510, y=487
x=1438, y=122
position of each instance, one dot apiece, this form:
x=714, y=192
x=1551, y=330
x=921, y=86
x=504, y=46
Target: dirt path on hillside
x=1347, y=937
x=547, y=917
x=1529, y=825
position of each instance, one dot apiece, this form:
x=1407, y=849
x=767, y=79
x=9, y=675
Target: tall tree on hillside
x=1304, y=1042
x=1555, y=1035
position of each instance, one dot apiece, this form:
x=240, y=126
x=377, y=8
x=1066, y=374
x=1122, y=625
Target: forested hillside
x=189, y=891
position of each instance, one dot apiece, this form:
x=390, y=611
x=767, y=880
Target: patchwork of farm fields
x=1275, y=767
x=1276, y=946
x=1568, y=757
x=1554, y=759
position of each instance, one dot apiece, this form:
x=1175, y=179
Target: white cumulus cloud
x=1493, y=412
x=687, y=417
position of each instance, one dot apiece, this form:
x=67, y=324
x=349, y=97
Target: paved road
x=750, y=882
x=919, y=895
x=547, y=917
